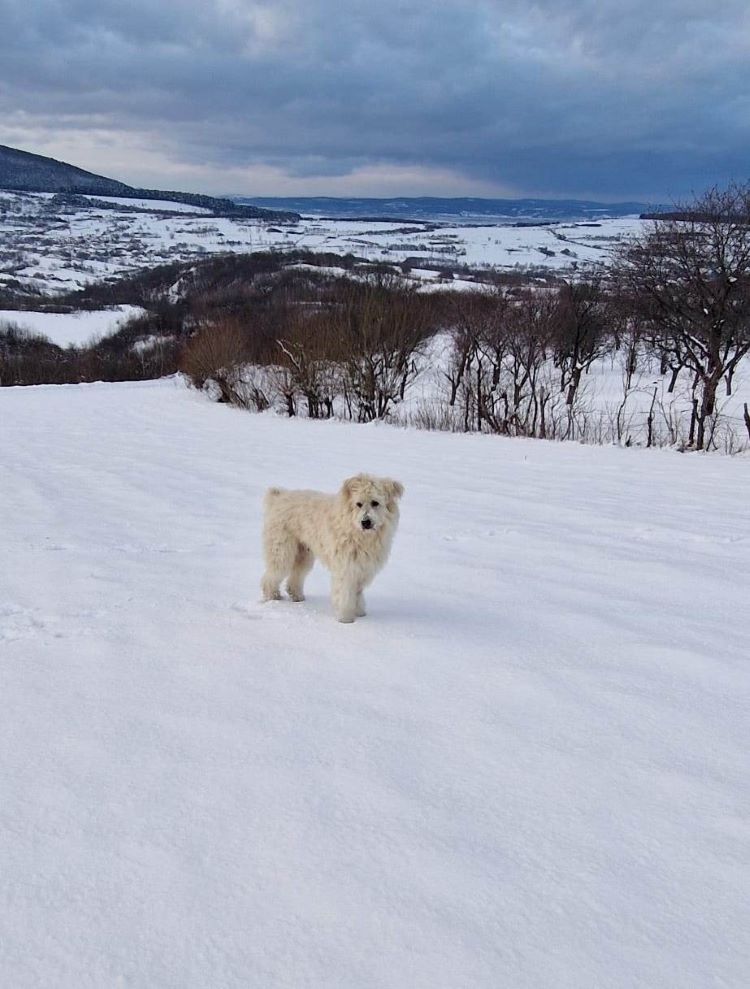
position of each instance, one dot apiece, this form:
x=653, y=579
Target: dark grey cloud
x=594, y=97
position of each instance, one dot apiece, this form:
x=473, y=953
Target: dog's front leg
x=361, y=608
x=344, y=594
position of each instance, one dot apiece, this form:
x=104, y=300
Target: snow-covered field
x=71, y=329
x=526, y=768
x=63, y=248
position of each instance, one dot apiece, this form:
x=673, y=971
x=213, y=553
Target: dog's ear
x=395, y=489
x=347, y=488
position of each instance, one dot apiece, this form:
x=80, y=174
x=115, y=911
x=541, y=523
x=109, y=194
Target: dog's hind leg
x=280, y=555
x=303, y=564
x=361, y=609
x=271, y=586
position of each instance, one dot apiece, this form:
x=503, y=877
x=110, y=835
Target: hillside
x=527, y=767
x=23, y=171
x=27, y=172
x=59, y=245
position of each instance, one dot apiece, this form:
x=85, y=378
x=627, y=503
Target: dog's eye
x=359, y=504
x=374, y=504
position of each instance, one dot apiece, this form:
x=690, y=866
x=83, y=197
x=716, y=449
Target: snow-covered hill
x=57, y=248
x=527, y=767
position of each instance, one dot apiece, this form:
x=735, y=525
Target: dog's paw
x=346, y=619
x=296, y=596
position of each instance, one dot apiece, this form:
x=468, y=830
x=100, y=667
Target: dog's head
x=371, y=502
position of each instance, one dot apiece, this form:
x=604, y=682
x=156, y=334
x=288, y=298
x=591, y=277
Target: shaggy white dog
x=349, y=532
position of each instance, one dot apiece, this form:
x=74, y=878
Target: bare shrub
x=216, y=353
x=253, y=389
x=434, y=415
x=310, y=353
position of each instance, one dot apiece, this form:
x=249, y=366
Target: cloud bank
x=554, y=98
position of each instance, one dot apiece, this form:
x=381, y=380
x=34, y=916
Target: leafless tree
x=580, y=332
x=381, y=325
x=310, y=352
x=530, y=328
x=689, y=279
x=467, y=314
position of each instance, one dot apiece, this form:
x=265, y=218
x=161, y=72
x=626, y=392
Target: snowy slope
x=71, y=329
x=526, y=768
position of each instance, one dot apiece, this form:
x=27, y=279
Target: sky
x=557, y=98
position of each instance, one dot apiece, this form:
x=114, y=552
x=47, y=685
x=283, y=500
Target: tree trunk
x=650, y=421
x=693, y=420
x=708, y=405
x=479, y=397
x=730, y=378
x=575, y=380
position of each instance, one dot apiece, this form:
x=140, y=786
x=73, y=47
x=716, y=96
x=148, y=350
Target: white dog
x=349, y=532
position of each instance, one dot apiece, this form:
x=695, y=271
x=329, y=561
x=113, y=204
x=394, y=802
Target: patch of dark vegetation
x=27, y=172
x=141, y=349
x=14, y=295
x=262, y=299
x=266, y=297
x=181, y=282
x=355, y=346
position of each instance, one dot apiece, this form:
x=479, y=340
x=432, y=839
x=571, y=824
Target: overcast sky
x=646, y=99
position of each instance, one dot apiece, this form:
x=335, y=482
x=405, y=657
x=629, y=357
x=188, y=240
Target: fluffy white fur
x=349, y=532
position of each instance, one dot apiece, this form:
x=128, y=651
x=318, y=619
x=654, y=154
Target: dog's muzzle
x=367, y=523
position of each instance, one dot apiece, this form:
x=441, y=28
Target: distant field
x=51, y=250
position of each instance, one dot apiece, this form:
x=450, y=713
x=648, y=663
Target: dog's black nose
x=366, y=523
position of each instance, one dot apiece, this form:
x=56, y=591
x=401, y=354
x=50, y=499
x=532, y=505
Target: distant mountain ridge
x=467, y=209
x=23, y=171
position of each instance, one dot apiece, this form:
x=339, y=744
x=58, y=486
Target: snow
x=152, y=205
x=74, y=329
x=67, y=249
x=455, y=285
x=527, y=767
x=150, y=342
